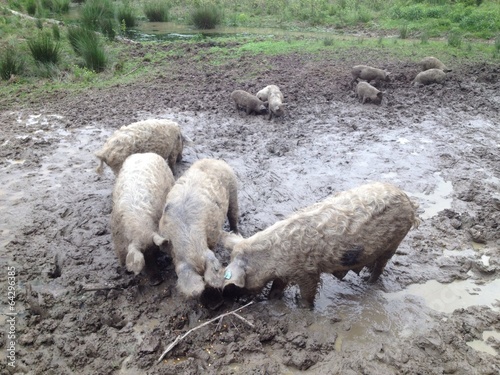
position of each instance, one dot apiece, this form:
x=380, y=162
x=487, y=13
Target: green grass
x=156, y=10
x=44, y=50
x=11, y=63
x=99, y=15
x=126, y=15
x=206, y=16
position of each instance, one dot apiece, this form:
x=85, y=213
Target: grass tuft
x=10, y=63
x=403, y=31
x=44, y=50
x=126, y=15
x=455, y=39
x=99, y=15
x=206, y=17
x=156, y=10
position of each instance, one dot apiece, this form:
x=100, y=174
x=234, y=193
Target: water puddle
x=437, y=200
x=449, y=297
x=482, y=345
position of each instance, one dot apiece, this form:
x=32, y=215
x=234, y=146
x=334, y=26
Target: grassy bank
x=89, y=58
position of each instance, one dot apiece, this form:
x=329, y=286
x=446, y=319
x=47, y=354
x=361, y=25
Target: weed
x=455, y=39
x=10, y=63
x=156, y=10
x=497, y=43
x=44, y=50
x=86, y=43
x=56, y=32
x=424, y=37
x=403, y=31
x=206, y=17
x=380, y=41
x=328, y=42
x=30, y=7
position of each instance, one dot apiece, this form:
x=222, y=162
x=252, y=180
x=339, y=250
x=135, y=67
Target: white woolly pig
x=160, y=136
x=264, y=93
x=429, y=77
x=432, y=63
x=352, y=229
x=275, y=104
x=368, y=74
x=365, y=91
x=192, y=222
x=138, y=197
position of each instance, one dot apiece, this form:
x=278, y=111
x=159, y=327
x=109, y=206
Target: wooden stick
x=181, y=337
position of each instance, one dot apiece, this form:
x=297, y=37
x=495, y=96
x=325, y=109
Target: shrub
x=206, y=17
x=156, y=10
x=126, y=15
x=43, y=49
x=10, y=63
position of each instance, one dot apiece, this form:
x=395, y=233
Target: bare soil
x=80, y=312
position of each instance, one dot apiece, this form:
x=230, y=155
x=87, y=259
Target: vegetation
x=43, y=49
x=206, y=16
x=156, y=10
x=11, y=63
x=126, y=14
x=99, y=15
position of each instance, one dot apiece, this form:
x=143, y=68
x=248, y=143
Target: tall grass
x=156, y=10
x=455, y=39
x=44, y=50
x=99, y=15
x=87, y=44
x=10, y=63
x=206, y=16
x=126, y=15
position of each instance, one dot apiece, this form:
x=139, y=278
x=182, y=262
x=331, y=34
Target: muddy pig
x=192, y=221
x=138, y=197
x=365, y=91
x=347, y=231
x=275, y=104
x=160, y=136
x=368, y=74
x=432, y=63
x=430, y=76
x=264, y=93
x=250, y=103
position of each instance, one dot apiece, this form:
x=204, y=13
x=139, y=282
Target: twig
x=133, y=70
x=242, y=318
x=181, y=337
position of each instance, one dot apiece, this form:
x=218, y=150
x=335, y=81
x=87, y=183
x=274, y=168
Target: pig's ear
x=229, y=240
x=234, y=274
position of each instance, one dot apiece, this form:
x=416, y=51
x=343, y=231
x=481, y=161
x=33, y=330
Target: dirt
x=78, y=311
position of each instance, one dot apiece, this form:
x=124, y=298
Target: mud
x=78, y=311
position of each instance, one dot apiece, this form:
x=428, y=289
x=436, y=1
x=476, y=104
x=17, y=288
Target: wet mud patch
x=79, y=311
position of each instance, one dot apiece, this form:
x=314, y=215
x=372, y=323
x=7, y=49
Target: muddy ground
x=78, y=311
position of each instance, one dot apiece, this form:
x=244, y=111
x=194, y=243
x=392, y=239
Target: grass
x=206, y=16
x=87, y=44
x=44, y=50
x=126, y=15
x=99, y=15
x=11, y=64
x=156, y=10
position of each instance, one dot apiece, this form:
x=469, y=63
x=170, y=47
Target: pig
x=160, y=136
x=275, y=104
x=250, y=103
x=432, y=63
x=139, y=194
x=365, y=91
x=430, y=76
x=264, y=93
x=368, y=74
x=192, y=221
x=347, y=231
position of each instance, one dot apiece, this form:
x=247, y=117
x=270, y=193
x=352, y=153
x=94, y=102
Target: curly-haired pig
x=250, y=103
x=365, y=92
x=139, y=194
x=192, y=222
x=160, y=136
x=432, y=63
x=429, y=77
x=264, y=93
x=347, y=231
x=367, y=73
